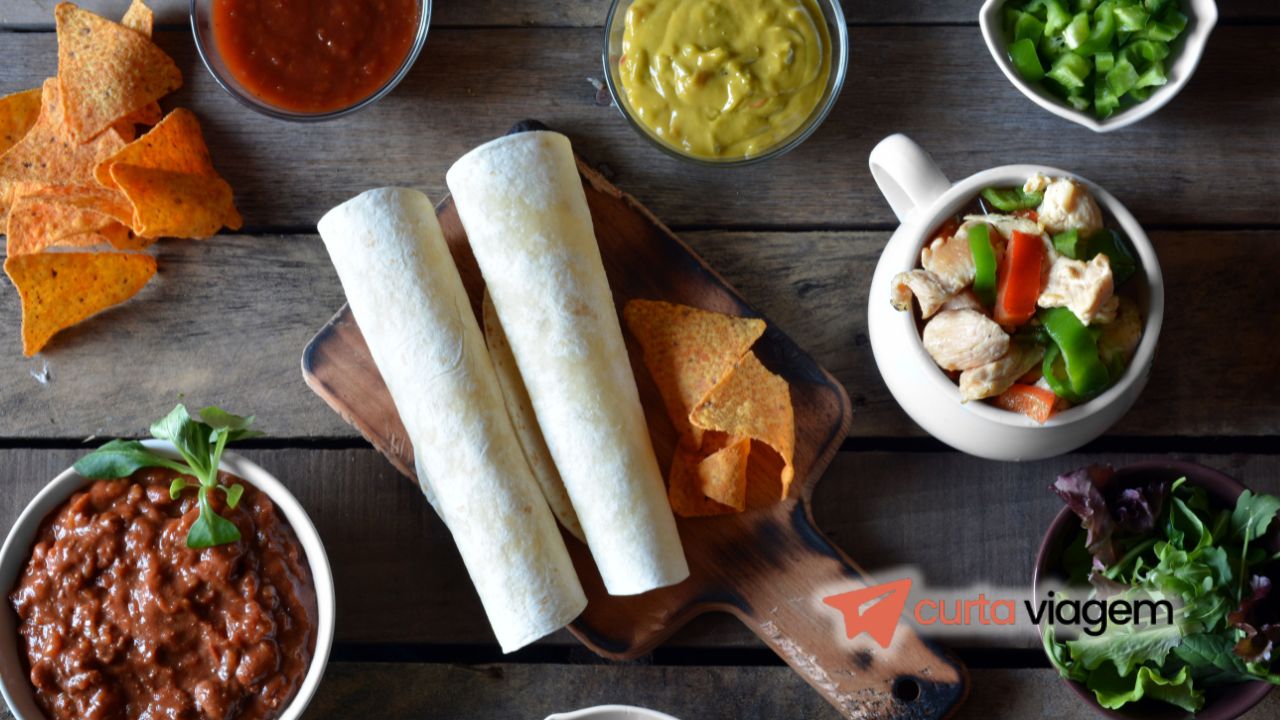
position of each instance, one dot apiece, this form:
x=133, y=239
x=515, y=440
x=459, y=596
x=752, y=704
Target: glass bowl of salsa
x=304, y=60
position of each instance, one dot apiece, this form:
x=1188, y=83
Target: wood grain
x=1205, y=159
x=958, y=520
x=584, y=13
x=1214, y=373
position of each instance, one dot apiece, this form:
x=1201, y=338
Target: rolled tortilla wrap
x=525, y=421
x=408, y=299
x=521, y=201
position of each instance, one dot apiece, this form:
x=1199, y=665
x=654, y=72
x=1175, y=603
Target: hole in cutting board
x=906, y=689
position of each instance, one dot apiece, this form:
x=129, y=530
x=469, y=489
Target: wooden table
x=227, y=319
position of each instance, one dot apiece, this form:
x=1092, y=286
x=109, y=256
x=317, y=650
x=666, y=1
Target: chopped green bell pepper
x=1086, y=374
x=1011, y=199
x=984, y=263
x=1070, y=70
x=1069, y=243
x=1026, y=60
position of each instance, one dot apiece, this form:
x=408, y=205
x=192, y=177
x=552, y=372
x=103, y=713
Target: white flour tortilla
x=408, y=299
x=521, y=201
x=525, y=421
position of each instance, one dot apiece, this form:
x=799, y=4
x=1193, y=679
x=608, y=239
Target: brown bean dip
x=119, y=620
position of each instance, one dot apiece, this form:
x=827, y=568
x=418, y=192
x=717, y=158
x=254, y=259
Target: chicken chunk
x=997, y=376
x=925, y=286
x=1122, y=335
x=951, y=261
x=964, y=339
x=1036, y=183
x=963, y=300
x=1083, y=288
x=1068, y=205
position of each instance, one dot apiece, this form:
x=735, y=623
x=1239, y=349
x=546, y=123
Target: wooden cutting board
x=770, y=566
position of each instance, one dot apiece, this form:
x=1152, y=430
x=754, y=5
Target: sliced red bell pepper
x=1036, y=403
x=1019, y=284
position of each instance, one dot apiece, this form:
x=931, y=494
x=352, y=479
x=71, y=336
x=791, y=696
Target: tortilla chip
x=174, y=144
x=107, y=71
x=171, y=204
x=48, y=155
x=108, y=201
x=38, y=222
x=139, y=18
x=18, y=112
x=525, y=421
x=688, y=351
x=722, y=475
x=754, y=402
x=684, y=490
x=62, y=289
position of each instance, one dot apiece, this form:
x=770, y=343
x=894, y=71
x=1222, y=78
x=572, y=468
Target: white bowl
x=922, y=197
x=14, y=683
x=1187, y=49
x=611, y=712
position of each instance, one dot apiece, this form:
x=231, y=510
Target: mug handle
x=906, y=175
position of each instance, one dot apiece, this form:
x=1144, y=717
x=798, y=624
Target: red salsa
x=314, y=55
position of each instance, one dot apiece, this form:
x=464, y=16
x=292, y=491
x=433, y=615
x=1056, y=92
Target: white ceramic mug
x=922, y=198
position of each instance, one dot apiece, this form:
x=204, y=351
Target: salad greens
x=201, y=444
x=1102, y=55
x=1167, y=541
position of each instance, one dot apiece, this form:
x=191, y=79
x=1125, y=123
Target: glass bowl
x=832, y=12
x=207, y=46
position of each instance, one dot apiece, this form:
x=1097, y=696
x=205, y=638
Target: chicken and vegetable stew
x=1024, y=299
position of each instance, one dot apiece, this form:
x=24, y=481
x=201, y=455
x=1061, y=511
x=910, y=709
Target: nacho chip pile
x=75, y=174
x=720, y=398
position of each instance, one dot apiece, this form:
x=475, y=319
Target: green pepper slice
x=1069, y=243
x=984, y=263
x=1087, y=376
x=1011, y=199
x=1104, y=29
x=1023, y=55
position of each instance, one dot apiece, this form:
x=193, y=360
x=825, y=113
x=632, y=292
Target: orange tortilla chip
x=37, y=222
x=18, y=112
x=59, y=290
x=107, y=71
x=172, y=204
x=139, y=18
x=48, y=155
x=684, y=490
x=688, y=351
x=108, y=201
x=754, y=402
x=722, y=475
x=175, y=144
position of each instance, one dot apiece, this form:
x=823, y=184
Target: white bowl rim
x=1204, y=15
x=924, y=219
x=58, y=490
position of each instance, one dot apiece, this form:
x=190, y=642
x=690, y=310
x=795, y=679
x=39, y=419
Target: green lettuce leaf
x=1114, y=690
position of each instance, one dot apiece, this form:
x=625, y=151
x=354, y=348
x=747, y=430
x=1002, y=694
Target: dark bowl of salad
x=1182, y=560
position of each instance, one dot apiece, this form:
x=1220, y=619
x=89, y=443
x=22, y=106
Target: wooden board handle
x=783, y=605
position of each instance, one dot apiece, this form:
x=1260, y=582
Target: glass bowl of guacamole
x=725, y=82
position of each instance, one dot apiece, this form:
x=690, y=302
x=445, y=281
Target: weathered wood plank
x=1211, y=157
x=264, y=297
x=958, y=520
x=581, y=13
x=530, y=692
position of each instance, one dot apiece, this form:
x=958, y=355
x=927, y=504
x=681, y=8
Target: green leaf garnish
x=201, y=444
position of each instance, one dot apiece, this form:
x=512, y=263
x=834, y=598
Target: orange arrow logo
x=881, y=619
